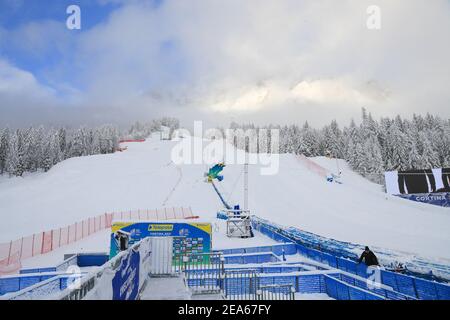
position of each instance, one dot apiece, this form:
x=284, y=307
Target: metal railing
x=276, y=292
x=203, y=271
x=241, y=284
x=246, y=284
x=88, y=283
x=79, y=293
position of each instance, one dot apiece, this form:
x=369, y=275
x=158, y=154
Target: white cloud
x=17, y=83
x=249, y=101
x=266, y=60
x=336, y=91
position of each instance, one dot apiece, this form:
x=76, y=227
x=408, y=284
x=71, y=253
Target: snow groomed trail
x=356, y=212
x=417, y=266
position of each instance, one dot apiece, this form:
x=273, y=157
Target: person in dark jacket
x=370, y=259
x=122, y=239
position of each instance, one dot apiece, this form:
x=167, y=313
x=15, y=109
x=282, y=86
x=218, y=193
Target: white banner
x=417, y=181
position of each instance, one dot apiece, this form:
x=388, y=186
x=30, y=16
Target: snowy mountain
x=144, y=177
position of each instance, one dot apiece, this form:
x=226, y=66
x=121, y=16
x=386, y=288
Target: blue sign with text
x=438, y=199
x=126, y=280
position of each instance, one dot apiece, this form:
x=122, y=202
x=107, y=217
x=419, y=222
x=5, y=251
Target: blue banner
x=126, y=280
x=196, y=236
x=438, y=199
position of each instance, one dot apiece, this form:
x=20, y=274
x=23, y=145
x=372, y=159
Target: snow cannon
x=213, y=172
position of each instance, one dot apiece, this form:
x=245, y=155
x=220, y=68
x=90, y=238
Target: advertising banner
x=439, y=199
x=188, y=237
x=420, y=181
x=126, y=280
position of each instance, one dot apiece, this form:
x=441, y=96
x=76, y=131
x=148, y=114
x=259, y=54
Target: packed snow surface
x=145, y=177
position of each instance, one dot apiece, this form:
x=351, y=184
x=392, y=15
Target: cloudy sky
x=279, y=61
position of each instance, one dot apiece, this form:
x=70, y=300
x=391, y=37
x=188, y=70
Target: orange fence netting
x=13, y=252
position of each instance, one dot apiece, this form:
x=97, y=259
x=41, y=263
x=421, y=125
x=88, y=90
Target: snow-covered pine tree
x=385, y=124
x=413, y=154
x=293, y=140
x=62, y=140
x=372, y=147
x=263, y=140
x=4, y=144
x=349, y=138
x=429, y=157
x=397, y=145
x=309, y=141
x=284, y=141
x=29, y=144
x=46, y=160
x=77, y=147
x=439, y=137
x=374, y=160
x=358, y=161
x=443, y=146
x=332, y=140
x=15, y=159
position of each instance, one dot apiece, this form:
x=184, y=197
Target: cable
x=234, y=185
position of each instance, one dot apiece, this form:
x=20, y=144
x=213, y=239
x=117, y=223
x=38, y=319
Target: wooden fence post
x=32, y=246
x=42, y=245
x=9, y=253
x=21, y=248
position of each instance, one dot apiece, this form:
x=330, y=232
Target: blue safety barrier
x=250, y=258
x=16, y=283
x=31, y=276
x=277, y=249
x=258, y=269
x=426, y=290
x=37, y=270
x=406, y=285
x=314, y=283
x=340, y=290
x=91, y=259
x=41, y=284
x=308, y=246
x=363, y=284
x=443, y=291
x=80, y=259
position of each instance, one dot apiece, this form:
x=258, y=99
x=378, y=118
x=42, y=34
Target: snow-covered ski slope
x=145, y=177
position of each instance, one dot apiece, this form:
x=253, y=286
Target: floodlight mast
x=246, y=186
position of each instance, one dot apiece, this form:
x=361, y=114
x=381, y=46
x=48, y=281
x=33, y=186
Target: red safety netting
x=27, y=247
x=64, y=236
x=4, y=252
x=37, y=244
x=312, y=166
x=46, y=242
x=13, y=252
x=131, y=140
x=71, y=233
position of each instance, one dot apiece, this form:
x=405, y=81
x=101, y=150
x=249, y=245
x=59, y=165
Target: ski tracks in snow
x=180, y=177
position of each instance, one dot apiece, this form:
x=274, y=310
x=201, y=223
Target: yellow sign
x=119, y=225
x=160, y=227
x=203, y=226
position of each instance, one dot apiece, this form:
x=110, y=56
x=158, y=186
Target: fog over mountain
x=265, y=61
